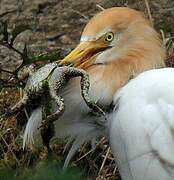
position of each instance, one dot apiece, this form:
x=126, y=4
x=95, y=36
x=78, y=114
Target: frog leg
x=55, y=116
x=62, y=74
x=19, y=106
x=47, y=132
x=85, y=84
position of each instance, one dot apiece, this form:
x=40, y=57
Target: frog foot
x=97, y=110
x=44, y=124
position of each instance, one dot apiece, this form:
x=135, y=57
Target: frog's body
x=39, y=80
x=46, y=82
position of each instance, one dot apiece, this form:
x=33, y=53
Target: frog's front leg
x=18, y=107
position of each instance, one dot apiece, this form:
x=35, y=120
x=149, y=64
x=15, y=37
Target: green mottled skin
x=49, y=79
x=39, y=80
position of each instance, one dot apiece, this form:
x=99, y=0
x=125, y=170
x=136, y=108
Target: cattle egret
x=116, y=45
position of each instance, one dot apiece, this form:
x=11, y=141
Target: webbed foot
x=44, y=124
x=47, y=122
x=96, y=109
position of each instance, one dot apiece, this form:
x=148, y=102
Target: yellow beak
x=84, y=54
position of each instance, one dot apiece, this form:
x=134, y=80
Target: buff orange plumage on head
x=116, y=33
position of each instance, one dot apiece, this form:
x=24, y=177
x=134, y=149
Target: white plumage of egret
x=141, y=130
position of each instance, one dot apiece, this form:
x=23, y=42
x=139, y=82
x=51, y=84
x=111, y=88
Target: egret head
x=113, y=34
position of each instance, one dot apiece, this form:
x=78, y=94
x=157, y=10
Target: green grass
x=43, y=171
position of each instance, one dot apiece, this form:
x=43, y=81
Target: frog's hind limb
x=54, y=116
x=59, y=77
x=85, y=84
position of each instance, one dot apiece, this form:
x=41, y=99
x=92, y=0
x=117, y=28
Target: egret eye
x=109, y=37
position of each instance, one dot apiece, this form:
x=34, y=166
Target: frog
x=48, y=80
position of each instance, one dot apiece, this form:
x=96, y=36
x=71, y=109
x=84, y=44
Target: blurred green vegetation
x=166, y=27
x=43, y=171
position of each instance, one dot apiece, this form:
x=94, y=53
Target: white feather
x=32, y=133
x=141, y=129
